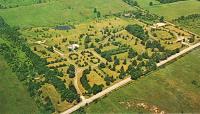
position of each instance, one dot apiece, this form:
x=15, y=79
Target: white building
x=157, y=25
x=73, y=47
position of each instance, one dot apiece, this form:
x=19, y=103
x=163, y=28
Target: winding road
x=125, y=81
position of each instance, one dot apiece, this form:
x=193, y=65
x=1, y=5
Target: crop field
x=13, y=94
x=61, y=12
x=171, y=10
x=171, y=89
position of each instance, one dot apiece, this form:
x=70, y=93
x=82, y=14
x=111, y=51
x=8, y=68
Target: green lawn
x=169, y=88
x=61, y=11
x=172, y=10
x=14, y=98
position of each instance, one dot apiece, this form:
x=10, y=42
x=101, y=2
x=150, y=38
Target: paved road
x=125, y=81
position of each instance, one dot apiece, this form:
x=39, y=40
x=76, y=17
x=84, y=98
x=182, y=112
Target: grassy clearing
x=172, y=10
x=13, y=95
x=61, y=11
x=170, y=89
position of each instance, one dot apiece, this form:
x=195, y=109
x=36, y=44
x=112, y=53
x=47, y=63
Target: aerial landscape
x=99, y=56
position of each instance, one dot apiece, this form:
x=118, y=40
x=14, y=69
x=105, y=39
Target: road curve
x=125, y=81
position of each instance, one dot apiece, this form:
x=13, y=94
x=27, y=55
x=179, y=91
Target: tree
x=98, y=14
x=150, y=3
x=125, y=62
x=71, y=71
x=35, y=49
x=151, y=65
x=95, y=89
x=162, y=19
x=95, y=10
x=87, y=39
x=132, y=53
x=122, y=73
x=116, y=61
x=102, y=65
x=49, y=105
x=135, y=73
x=137, y=31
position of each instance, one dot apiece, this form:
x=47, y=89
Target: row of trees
x=168, y=1
x=189, y=17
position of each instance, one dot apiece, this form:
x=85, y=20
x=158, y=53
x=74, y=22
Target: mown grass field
x=172, y=10
x=61, y=12
x=14, y=98
x=170, y=89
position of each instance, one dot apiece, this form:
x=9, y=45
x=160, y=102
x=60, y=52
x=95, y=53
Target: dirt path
x=76, y=83
x=61, y=54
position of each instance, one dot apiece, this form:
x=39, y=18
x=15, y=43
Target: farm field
x=13, y=94
x=172, y=10
x=173, y=88
x=61, y=12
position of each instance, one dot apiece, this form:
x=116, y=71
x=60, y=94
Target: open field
x=172, y=10
x=61, y=12
x=14, y=98
x=5, y=4
x=174, y=88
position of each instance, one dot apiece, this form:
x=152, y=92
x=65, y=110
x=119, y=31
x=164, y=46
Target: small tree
x=162, y=19
x=98, y=14
x=102, y=65
x=150, y=3
x=95, y=10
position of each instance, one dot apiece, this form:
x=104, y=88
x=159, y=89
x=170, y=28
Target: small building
x=180, y=39
x=157, y=25
x=127, y=15
x=73, y=47
x=40, y=42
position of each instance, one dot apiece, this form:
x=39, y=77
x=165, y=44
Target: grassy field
x=190, y=24
x=61, y=11
x=169, y=89
x=172, y=10
x=17, y=3
x=14, y=98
